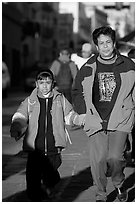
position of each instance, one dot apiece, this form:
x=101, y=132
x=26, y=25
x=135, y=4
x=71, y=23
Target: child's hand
x=15, y=130
x=79, y=119
x=16, y=135
x=82, y=119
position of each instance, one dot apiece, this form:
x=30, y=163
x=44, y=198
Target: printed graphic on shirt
x=107, y=85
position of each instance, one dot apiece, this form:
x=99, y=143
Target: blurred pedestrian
x=86, y=50
x=104, y=92
x=6, y=80
x=41, y=117
x=86, y=53
x=64, y=71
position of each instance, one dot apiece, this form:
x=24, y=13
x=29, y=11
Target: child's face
x=44, y=85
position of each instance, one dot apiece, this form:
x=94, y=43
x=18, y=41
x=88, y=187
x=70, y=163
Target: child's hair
x=44, y=73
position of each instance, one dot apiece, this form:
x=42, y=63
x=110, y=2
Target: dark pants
x=106, y=153
x=41, y=169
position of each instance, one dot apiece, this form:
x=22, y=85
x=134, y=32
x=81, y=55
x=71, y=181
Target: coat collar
x=33, y=96
x=118, y=61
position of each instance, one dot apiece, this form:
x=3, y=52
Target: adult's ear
x=97, y=47
x=36, y=84
x=114, y=44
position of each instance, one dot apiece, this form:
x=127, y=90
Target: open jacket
x=27, y=116
x=122, y=115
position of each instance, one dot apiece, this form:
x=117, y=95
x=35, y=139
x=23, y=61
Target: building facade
x=33, y=32
x=11, y=40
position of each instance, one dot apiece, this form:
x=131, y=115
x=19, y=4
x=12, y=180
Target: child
x=41, y=117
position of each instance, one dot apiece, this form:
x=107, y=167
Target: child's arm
x=71, y=117
x=19, y=120
x=74, y=119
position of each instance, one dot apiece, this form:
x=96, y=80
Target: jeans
x=106, y=154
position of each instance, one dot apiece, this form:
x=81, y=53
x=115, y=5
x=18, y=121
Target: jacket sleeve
x=74, y=69
x=77, y=94
x=68, y=111
x=133, y=94
x=55, y=67
x=70, y=116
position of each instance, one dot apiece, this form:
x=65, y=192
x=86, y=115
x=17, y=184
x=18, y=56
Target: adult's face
x=105, y=46
x=64, y=56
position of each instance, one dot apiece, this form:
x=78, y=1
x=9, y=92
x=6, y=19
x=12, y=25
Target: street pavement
x=76, y=183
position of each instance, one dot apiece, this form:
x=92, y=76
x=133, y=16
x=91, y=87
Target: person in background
x=64, y=71
x=6, y=80
x=86, y=53
x=86, y=50
x=41, y=119
x=104, y=92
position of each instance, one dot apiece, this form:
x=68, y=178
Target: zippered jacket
x=122, y=115
x=27, y=116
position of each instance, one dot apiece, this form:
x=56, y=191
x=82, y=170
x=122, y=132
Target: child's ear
x=53, y=84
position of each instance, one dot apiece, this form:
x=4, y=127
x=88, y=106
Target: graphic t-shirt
x=105, y=90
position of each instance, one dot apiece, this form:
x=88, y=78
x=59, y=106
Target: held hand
x=79, y=120
x=82, y=119
x=15, y=130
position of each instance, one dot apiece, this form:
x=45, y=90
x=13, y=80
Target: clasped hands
x=79, y=120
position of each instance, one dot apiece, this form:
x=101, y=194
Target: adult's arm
x=77, y=93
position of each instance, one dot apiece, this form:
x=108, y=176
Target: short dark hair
x=65, y=50
x=105, y=30
x=44, y=73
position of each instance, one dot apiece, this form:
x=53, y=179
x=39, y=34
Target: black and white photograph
x=68, y=101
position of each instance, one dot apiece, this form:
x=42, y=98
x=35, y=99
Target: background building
x=11, y=40
x=65, y=31
x=35, y=31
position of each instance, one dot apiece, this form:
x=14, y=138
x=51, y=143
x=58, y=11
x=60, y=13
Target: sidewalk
x=76, y=184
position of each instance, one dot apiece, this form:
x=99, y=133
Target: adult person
x=131, y=151
x=86, y=53
x=64, y=71
x=104, y=91
x=41, y=117
x=86, y=50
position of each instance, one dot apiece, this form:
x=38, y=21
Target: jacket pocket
x=92, y=122
x=126, y=113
